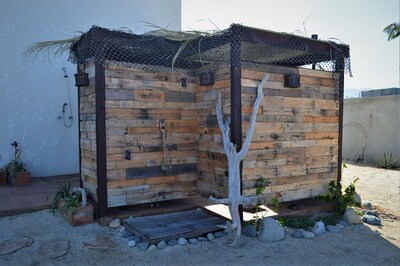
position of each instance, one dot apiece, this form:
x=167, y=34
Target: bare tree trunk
x=234, y=158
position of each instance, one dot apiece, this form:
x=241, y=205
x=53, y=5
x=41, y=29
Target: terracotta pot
x=3, y=177
x=21, y=178
x=77, y=216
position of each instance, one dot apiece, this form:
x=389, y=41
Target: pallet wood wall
x=295, y=144
x=87, y=110
x=136, y=102
x=212, y=163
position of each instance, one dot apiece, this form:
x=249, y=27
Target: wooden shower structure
x=148, y=130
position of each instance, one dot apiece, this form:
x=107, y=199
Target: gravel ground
x=354, y=245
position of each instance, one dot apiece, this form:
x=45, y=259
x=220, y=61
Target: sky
x=375, y=62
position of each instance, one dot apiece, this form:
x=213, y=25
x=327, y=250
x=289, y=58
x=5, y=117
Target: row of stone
x=134, y=240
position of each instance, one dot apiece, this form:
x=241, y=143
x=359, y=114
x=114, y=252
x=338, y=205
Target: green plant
x=64, y=195
x=297, y=222
x=386, y=161
x=341, y=200
x=332, y=219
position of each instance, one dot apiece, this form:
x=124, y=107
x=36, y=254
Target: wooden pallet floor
x=169, y=226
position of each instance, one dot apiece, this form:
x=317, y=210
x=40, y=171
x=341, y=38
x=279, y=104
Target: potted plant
x=3, y=176
x=17, y=173
x=73, y=205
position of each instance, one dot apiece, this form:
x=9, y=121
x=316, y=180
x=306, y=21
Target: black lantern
x=292, y=81
x=81, y=79
x=206, y=78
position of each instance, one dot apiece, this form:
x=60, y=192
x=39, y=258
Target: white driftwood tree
x=234, y=158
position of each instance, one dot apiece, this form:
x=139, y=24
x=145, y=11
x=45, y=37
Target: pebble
x=366, y=205
x=202, y=239
x=152, y=248
x=308, y=234
x=182, y=241
x=270, y=230
x=115, y=223
x=249, y=231
x=220, y=234
x=193, y=241
x=132, y=243
x=357, y=199
x=297, y=234
x=125, y=234
x=210, y=236
x=129, y=238
x=371, y=212
x=138, y=239
x=161, y=245
x=332, y=229
x=172, y=242
x=121, y=229
x=319, y=228
x=351, y=216
x=340, y=226
x=371, y=219
x=344, y=223
x=143, y=246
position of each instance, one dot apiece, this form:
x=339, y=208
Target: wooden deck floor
x=169, y=226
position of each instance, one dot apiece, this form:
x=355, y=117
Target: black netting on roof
x=209, y=51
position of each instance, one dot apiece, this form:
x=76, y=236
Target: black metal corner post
x=236, y=99
x=100, y=85
x=79, y=131
x=339, y=71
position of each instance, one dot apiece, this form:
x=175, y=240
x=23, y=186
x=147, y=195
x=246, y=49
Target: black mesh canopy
x=253, y=46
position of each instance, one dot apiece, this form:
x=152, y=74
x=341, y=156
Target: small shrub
x=330, y=219
x=386, y=161
x=297, y=222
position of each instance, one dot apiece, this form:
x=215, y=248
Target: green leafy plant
x=332, y=219
x=341, y=200
x=386, y=161
x=275, y=201
x=64, y=196
x=297, y=222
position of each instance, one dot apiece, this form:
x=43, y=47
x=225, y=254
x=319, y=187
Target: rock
x=344, y=223
x=12, y=245
x=357, y=199
x=249, y=230
x=152, y=248
x=366, y=205
x=101, y=242
x=182, y=241
x=351, y=216
x=371, y=219
x=172, y=242
x=115, y=223
x=132, y=243
x=308, y=234
x=125, y=234
x=121, y=229
x=131, y=237
x=332, y=229
x=297, y=234
x=319, y=228
x=138, y=239
x=161, y=245
x=340, y=226
x=54, y=248
x=270, y=230
x=193, y=241
x=210, y=236
x=143, y=246
x=371, y=212
x=201, y=239
x=220, y=234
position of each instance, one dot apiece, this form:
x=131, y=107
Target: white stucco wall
x=32, y=93
x=379, y=117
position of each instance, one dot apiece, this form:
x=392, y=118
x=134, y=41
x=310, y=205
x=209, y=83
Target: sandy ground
x=354, y=245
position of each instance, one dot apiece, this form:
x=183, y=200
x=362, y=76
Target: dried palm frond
x=55, y=47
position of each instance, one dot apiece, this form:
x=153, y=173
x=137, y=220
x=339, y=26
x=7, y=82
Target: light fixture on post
x=81, y=78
